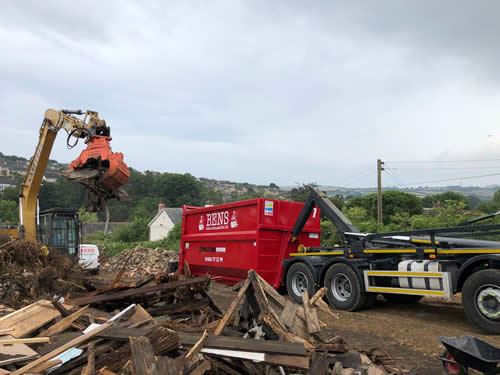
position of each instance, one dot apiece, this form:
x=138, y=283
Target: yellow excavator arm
x=91, y=128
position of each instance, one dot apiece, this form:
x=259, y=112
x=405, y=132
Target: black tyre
x=344, y=288
x=450, y=367
x=481, y=300
x=403, y=299
x=298, y=279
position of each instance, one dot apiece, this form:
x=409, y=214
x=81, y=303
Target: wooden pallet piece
x=73, y=343
x=143, y=359
x=242, y=344
x=139, y=291
x=234, y=304
x=63, y=324
x=29, y=318
x=312, y=321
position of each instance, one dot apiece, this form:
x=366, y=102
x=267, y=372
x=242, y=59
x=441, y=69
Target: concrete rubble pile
x=169, y=324
x=143, y=261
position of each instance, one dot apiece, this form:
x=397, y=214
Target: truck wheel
x=402, y=299
x=298, y=279
x=344, y=288
x=481, y=300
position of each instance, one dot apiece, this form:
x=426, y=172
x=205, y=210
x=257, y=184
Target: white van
x=89, y=258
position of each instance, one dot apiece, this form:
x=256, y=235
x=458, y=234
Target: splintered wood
x=169, y=324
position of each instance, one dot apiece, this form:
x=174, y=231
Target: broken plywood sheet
x=29, y=318
x=15, y=352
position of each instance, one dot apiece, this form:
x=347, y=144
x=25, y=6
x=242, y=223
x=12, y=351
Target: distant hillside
x=482, y=192
x=230, y=189
x=11, y=165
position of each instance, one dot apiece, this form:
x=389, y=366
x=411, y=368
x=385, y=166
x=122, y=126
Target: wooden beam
x=241, y=344
x=91, y=359
x=34, y=340
x=63, y=324
x=192, y=355
x=139, y=291
x=232, y=307
x=318, y=295
x=75, y=342
x=45, y=366
x=289, y=313
x=143, y=359
x=312, y=321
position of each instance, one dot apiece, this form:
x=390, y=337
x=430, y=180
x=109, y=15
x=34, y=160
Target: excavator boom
x=98, y=168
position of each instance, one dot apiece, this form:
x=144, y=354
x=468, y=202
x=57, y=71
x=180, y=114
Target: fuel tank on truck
x=228, y=240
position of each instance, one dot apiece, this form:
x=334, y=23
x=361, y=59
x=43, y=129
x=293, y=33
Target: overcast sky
x=264, y=91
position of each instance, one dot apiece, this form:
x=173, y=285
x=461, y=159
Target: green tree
x=8, y=212
x=338, y=200
x=444, y=199
x=393, y=202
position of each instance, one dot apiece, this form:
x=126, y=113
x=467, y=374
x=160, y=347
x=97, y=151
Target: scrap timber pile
x=168, y=324
x=141, y=261
x=30, y=271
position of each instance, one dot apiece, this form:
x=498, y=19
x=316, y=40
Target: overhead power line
x=453, y=179
x=441, y=161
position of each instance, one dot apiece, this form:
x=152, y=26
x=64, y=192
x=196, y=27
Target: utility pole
x=380, y=168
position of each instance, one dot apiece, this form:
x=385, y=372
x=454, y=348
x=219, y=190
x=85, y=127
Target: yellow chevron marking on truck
x=403, y=273
x=407, y=291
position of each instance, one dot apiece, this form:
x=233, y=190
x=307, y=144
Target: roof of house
x=7, y=180
x=174, y=213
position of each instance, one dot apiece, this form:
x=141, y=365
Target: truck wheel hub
x=488, y=301
x=299, y=283
x=341, y=287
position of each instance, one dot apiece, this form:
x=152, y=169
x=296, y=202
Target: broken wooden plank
x=143, y=359
x=283, y=360
x=73, y=343
x=123, y=334
x=16, y=353
x=242, y=344
x=318, y=295
x=59, y=307
x=192, y=355
x=34, y=340
x=201, y=368
x=312, y=321
x=139, y=291
x=179, y=307
x=232, y=307
x=91, y=358
x=29, y=318
x=289, y=313
x=45, y=366
x=63, y=324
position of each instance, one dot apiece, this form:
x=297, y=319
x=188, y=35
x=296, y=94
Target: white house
x=163, y=222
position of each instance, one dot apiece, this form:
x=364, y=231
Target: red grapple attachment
x=101, y=170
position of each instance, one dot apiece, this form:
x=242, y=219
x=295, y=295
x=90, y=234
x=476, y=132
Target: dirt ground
x=405, y=332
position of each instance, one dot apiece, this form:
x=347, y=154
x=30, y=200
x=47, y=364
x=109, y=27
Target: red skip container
x=229, y=239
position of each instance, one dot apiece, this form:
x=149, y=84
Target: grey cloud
x=258, y=91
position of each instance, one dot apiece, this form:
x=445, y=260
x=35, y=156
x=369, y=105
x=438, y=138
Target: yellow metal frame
x=53, y=121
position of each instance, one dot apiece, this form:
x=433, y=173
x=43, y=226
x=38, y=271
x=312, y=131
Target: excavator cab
x=59, y=229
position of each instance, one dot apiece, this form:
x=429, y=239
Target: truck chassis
x=403, y=266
